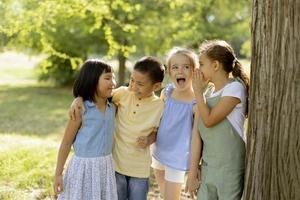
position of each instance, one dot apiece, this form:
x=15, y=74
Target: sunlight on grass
x=36, y=109
x=17, y=68
x=26, y=164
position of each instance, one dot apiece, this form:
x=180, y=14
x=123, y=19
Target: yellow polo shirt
x=135, y=117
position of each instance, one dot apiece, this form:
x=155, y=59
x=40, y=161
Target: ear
x=157, y=86
x=216, y=65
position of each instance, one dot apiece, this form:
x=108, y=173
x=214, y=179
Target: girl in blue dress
x=171, y=152
x=90, y=173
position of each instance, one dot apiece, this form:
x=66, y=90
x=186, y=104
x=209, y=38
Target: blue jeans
x=131, y=188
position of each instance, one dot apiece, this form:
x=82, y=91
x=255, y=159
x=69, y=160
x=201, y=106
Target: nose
x=133, y=87
x=181, y=69
x=113, y=82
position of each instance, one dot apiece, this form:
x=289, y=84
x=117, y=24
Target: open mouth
x=180, y=81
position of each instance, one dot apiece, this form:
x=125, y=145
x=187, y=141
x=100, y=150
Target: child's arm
x=64, y=150
x=163, y=95
x=145, y=141
x=211, y=117
x=76, y=108
x=192, y=183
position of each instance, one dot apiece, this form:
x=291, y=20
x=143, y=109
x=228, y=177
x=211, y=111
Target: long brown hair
x=222, y=52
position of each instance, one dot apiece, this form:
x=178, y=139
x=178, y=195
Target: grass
x=33, y=117
x=32, y=121
x=33, y=109
x=27, y=164
x=17, y=68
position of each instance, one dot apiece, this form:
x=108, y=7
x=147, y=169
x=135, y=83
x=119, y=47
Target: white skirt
x=89, y=179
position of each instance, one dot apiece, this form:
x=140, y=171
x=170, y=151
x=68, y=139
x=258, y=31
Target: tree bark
x=273, y=139
x=122, y=68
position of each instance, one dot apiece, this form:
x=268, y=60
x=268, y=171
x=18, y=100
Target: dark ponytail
x=238, y=72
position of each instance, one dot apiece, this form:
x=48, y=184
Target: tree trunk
x=122, y=68
x=273, y=140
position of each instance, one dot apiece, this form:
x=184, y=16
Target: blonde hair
x=191, y=55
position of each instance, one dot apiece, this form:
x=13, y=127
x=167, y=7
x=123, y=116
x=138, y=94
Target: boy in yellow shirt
x=138, y=116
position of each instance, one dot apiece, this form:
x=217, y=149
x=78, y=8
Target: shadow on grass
x=37, y=110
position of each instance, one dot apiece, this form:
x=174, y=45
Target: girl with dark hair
x=90, y=173
x=222, y=111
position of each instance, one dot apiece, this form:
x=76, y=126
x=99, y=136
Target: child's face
x=106, y=84
x=141, y=84
x=206, y=67
x=180, y=71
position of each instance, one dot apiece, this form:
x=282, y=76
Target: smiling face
x=141, y=84
x=106, y=84
x=180, y=71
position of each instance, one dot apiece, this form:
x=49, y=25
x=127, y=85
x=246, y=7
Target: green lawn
x=27, y=164
x=33, y=117
x=32, y=123
x=33, y=109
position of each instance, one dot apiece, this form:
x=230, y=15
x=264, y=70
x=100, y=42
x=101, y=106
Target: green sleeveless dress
x=223, y=160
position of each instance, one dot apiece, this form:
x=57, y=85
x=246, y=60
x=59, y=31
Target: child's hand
x=142, y=142
x=58, y=184
x=76, y=108
x=199, y=83
x=192, y=184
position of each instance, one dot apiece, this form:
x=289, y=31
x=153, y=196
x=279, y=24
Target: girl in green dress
x=222, y=110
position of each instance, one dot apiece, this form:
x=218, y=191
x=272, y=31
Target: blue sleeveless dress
x=90, y=173
x=172, y=147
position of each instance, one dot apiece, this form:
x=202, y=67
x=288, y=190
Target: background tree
x=68, y=32
x=273, y=144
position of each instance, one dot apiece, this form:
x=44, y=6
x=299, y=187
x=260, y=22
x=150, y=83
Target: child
x=171, y=152
x=137, y=119
x=90, y=173
x=222, y=114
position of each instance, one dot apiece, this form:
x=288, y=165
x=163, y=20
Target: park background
x=43, y=43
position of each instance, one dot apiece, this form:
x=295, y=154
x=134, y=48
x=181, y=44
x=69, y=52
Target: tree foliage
x=68, y=31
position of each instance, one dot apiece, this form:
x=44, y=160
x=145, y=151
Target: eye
x=174, y=67
x=186, y=67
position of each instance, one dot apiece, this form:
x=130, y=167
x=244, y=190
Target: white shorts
x=171, y=174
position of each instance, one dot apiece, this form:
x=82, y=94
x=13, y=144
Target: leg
x=160, y=178
x=209, y=178
x=159, y=172
x=138, y=188
x=233, y=185
x=173, y=181
x=121, y=186
x=207, y=192
x=172, y=191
